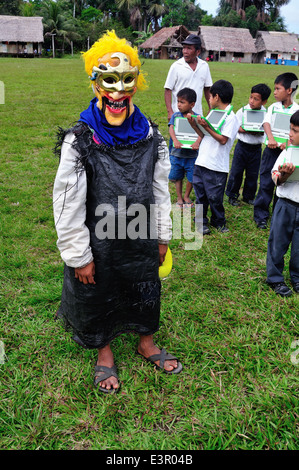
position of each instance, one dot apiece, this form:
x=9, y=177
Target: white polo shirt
x=181, y=75
x=248, y=137
x=289, y=189
x=212, y=154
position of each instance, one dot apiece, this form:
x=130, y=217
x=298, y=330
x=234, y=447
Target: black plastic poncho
x=126, y=297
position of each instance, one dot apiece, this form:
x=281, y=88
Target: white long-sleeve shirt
x=69, y=204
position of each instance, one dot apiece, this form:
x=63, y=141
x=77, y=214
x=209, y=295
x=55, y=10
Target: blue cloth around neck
x=133, y=129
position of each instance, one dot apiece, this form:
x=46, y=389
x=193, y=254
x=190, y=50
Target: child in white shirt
x=248, y=151
x=284, y=229
x=212, y=164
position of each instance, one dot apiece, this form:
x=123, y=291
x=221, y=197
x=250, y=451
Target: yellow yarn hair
x=109, y=42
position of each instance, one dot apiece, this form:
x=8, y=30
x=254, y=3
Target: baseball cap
x=193, y=40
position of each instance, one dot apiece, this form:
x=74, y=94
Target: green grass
x=239, y=387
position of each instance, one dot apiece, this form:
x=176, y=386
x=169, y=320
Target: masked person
x=112, y=214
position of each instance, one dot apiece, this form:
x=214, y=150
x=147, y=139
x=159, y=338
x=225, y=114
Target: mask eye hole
x=129, y=78
x=110, y=80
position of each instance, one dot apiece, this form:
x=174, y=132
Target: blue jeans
x=247, y=158
x=265, y=193
x=209, y=186
x=284, y=231
x=181, y=167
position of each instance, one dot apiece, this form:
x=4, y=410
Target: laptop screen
x=293, y=155
x=182, y=126
x=281, y=122
x=215, y=117
x=254, y=117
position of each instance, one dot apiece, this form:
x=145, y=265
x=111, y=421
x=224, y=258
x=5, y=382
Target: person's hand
x=286, y=168
x=283, y=145
x=162, y=253
x=272, y=144
x=195, y=146
x=86, y=274
x=202, y=122
x=177, y=144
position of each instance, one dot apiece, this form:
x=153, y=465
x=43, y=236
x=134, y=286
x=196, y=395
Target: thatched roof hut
x=20, y=34
x=276, y=45
x=218, y=42
x=166, y=40
x=226, y=44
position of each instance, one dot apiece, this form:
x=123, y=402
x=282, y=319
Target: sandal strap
x=103, y=373
x=162, y=357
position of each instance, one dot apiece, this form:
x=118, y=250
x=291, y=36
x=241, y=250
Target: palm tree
x=135, y=9
x=264, y=8
x=143, y=12
x=156, y=9
x=56, y=24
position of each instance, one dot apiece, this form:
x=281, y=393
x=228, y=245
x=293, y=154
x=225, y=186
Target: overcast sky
x=288, y=12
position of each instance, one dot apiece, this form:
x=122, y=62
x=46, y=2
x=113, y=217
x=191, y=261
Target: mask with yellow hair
x=114, y=68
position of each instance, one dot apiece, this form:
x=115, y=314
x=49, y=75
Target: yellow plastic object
x=166, y=267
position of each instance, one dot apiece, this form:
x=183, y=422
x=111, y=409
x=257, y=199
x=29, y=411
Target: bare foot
x=105, y=358
x=147, y=348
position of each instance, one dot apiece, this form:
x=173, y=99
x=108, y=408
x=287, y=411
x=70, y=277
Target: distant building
x=218, y=43
x=226, y=44
x=166, y=43
x=21, y=35
x=276, y=47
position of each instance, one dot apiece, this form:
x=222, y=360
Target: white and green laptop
x=215, y=119
x=280, y=127
x=252, y=120
x=292, y=156
x=184, y=132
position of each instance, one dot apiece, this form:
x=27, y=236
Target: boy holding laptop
x=182, y=159
x=285, y=86
x=284, y=229
x=248, y=150
x=212, y=164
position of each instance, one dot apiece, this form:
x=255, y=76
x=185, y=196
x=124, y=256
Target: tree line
x=78, y=23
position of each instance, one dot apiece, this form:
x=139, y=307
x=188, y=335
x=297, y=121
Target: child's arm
x=69, y=195
x=192, y=122
x=176, y=143
x=196, y=144
x=222, y=139
x=284, y=171
x=272, y=144
x=162, y=206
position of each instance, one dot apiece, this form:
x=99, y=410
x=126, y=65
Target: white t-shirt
x=289, y=189
x=278, y=107
x=248, y=137
x=212, y=154
x=181, y=75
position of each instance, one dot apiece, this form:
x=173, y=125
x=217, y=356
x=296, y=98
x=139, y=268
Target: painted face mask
x=114, y=85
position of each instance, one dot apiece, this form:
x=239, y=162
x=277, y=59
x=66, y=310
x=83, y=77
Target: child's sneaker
x=233, y=201
x=206, y=230
x=280, y=288
x=223, y=229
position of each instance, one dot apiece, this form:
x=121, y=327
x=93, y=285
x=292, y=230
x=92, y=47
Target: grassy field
x=234, y=336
